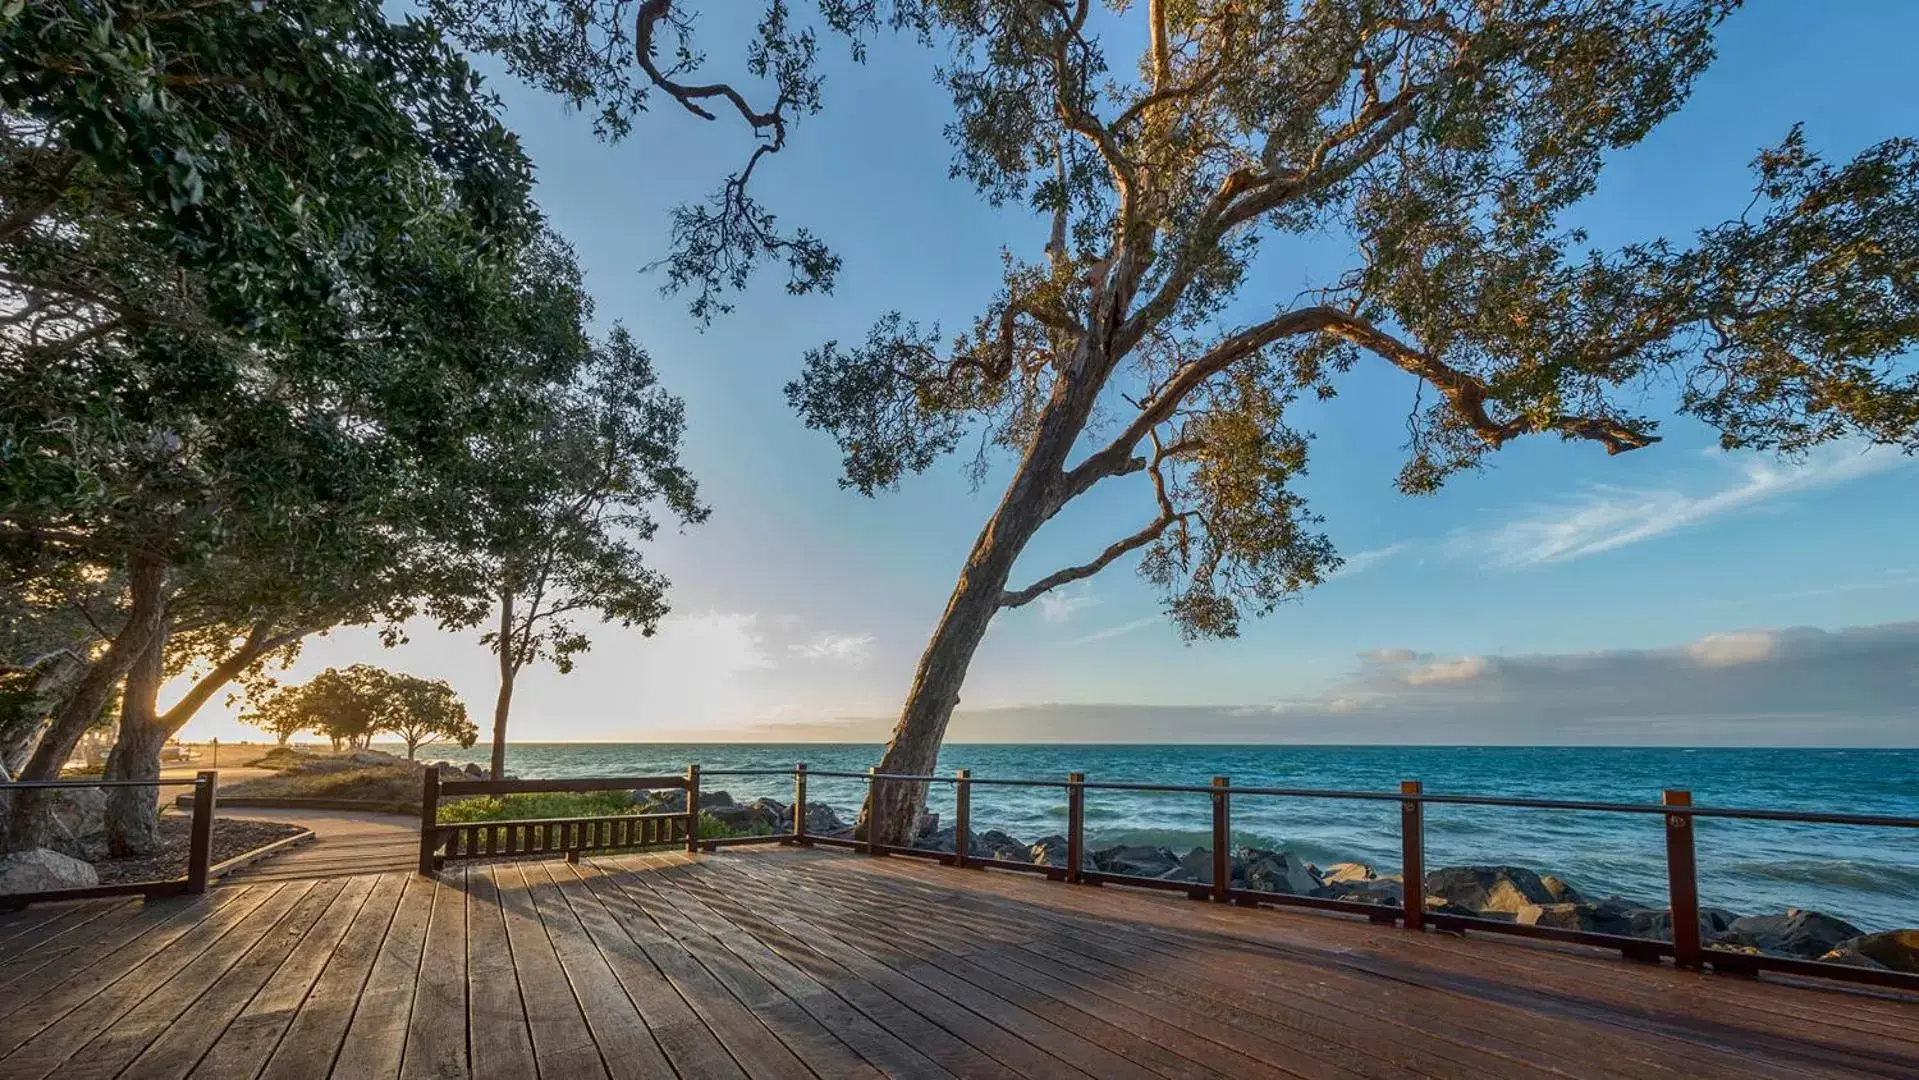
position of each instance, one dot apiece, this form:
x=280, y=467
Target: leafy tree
x=1445, y=140
x=351, y=705
x=559, y=507
x=250, y=264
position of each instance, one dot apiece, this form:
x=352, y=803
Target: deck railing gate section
x=441, y=843
x=1677, y=814
x=205, y=785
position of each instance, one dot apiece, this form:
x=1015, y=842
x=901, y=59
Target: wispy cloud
x=1607, y=518
x=852, y=650
x=1361, y=561
x=1116, y=631
x=1063, y=603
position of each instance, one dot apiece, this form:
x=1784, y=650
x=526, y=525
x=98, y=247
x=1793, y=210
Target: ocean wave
x=1844, y=873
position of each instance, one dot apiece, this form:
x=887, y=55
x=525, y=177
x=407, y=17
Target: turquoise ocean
x=1869, y=876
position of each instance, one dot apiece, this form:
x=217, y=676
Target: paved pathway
x=345, y=842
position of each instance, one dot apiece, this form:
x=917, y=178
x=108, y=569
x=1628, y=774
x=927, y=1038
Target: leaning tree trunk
x=133, y=814
x=503, y=702
x=1029, y=501
x=146, y=580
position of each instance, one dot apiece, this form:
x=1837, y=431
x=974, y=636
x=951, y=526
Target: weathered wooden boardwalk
x=802, y=963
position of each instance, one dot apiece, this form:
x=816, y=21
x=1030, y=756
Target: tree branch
x=1021, y=597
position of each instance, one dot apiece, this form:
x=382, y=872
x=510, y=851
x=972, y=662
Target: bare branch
x=1021, y=597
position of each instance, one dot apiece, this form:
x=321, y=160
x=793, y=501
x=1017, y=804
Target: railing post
x=873, y=818
x=429, y=819
x=1682, y=877
x=799, y=802
x=1412, y=841
x=1222, y=840
x=1075, y=824
x=962, y=817
x=692, y=809
x=200, y=849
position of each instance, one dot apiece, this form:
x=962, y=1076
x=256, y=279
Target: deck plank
x=312, y=1041
x=243, y=1048
x=800, y=964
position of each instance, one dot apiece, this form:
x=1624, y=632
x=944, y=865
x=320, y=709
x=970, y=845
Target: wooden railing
x=199, y=842
x=441, y=843
x=1675, y=811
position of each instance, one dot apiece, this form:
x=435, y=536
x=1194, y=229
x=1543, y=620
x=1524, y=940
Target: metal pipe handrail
x=45, y=785
x=1735, y=813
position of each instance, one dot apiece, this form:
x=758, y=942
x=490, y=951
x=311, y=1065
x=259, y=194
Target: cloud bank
x=1789, y=687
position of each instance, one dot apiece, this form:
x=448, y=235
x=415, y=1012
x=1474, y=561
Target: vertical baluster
x=1682, y=878
x=692, y=809
x=1412, y=842
x=1222, y=840
x=873, y=819
x=1075, y=824
x=200, y=840
x=429, y=819
x=799, y=802
x=962, y=817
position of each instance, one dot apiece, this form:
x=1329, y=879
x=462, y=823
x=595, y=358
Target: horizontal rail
x=1806, y=816
x=458, y=788
x=57, y=785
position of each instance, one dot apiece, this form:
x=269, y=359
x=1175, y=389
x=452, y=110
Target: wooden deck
x=802, y=963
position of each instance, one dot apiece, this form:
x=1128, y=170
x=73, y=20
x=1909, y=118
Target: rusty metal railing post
x=1222, y=840
x=1412, y=842
x=799, y=802
x=429, y=819
x=200, y=847
x=873, y=819
x=1682, y=879
x=1075, y=824
x=692, y=809
x=962, y=817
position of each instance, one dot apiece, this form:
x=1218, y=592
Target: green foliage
x=533, y=805
x=351, y=705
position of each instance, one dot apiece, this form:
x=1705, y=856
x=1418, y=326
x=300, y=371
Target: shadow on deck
x=803, y=963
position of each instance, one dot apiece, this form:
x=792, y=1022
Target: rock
x=78, y=817
x=473, y=769
x=1796, y=933
x=1137, y=861
x=938, y=840
x=822, y=820
x=746, y=819
x=44, y=870
x=929, y=824
x=1198, y=866
x=1049, y=850
x=669, y=801
x=1612, y=915
x=376, y=757
x=1561, y=892
x=1896, y=950
x=1275, y=871
x=1657, y=923
x=994, y=844
x=1480, y=889
x=715, y=798
x=1386, y=892
x=776, y=811
x=1340, y=873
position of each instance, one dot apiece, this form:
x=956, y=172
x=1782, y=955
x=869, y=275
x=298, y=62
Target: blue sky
x=803, y=604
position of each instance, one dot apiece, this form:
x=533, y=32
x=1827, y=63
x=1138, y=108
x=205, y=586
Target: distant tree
x=1444, y=141
x=352, y=705
x=559, y=508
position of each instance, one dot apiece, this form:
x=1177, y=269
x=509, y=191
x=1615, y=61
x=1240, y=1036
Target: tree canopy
x=352, y=705
x=1447, y=142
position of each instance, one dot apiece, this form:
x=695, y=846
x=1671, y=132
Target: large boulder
x=937, y=840
x=1497, y=889
x=742, y=819
x=778, y=812
x=473, y=770
x=1342, y=872
x=823, y=820
x=77, y=816
x=1612, y=915
x=1049, y=851
x=1809, y=934
x=1276, y=872
x=1138, y=861
x=1561, y=892
x=1648, y=922
x=994, y=844
x=1896, y=950
x=668, y=801
x=928, y=824
x=1383, y=891
x=709, y=799
x=44, y=870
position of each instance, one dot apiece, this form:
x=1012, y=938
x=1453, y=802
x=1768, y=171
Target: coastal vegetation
x=1446, y=146
x=350, y=706
x=276, y=305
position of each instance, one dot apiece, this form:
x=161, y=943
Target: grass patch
x=370, y=783
x=540, y=805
